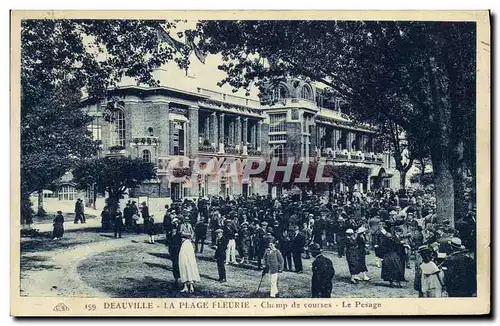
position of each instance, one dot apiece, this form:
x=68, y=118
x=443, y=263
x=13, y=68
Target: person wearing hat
x=244, y=242
x=285, y=246
x=273, y=264
x=230, y=235
x=340, y=228
x=118, y=224
x=298, y=241
x=431, y=283
x=392, y=266
x=79, y=209
x=215, y=223
x=307, y=233
x=352, y=255
x=149, y=228
x=459, y=272
x=362, y=245
x=323, y=272
x=220, y=254
x=174, y=247
x=417, y=281
x=58, y=230
x=188, y=267
x=200, y=231
x=260, y=243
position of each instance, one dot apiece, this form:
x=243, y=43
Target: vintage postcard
x=250, y=163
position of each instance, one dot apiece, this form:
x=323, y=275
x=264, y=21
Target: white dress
x=188, y=268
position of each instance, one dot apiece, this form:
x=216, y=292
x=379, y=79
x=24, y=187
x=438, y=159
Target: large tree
x=419, y=76
x=64, y=60
x=113, y=175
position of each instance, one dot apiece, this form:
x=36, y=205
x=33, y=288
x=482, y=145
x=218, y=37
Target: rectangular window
x=96, y=129
x=277, y=138
x=277, y=122
x=278, y=151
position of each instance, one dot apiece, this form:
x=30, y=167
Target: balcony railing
x=145, y=140
x=254, y=152
x=352, y=156
x=206, y=149
x=229, y=149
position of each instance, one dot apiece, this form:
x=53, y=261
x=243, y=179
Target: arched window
x=280, y=93
x=150, y=131
x=67, y=192
x=118, y=129
x=306, y=93
x=146, y=156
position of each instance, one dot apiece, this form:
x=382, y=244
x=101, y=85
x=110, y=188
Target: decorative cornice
x=229, y=106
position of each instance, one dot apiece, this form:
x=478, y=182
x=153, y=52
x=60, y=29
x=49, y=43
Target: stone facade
x=161, y=124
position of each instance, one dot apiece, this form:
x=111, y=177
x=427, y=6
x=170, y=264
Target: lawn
x=145, y=270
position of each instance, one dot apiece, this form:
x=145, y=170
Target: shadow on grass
x=159, y=255
x=40, y=244
x=240, y=266
x=36, y=263
x=152, y=287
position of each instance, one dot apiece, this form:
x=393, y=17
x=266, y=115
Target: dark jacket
x=220, y=251
x=298, y=243
x=460, y=276
x=323, y=272
x=200, y=230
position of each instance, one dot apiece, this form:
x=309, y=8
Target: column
x=214, y=130
x=253, y=138
x=238, y=133
x=349, y=141
x=231, y=133
x=192, y=131
x=221, y=132
x=245, y=136
x=164, y=146
x=206, y=128
x=258, y=136
x=313, y=139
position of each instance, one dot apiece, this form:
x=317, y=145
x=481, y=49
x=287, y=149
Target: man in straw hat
x=323, y=272
x=460, y=272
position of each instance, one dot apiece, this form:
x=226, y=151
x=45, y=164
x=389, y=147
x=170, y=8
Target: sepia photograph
x=182, y=162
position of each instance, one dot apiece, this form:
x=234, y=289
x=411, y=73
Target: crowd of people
x=275, y=234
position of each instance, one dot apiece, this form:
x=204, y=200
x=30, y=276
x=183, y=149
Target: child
x=220, y=254
x=431, y=276
x=58, y=226
x=149, y=227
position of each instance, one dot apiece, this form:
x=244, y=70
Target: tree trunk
x=40, y=210
x=445, y=194
x=402, y=179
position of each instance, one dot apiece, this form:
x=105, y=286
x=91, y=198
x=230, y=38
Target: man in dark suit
x=298, y=243
x=220, y=254
x=323, y=272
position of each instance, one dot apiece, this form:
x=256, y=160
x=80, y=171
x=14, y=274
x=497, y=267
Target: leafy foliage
x=113, y=175
x=64, y=60
x=424, y=179
x=419, y=76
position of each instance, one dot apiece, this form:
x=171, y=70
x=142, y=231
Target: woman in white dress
x=188, y=268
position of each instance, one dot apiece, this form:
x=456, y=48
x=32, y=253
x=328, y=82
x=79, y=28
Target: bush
x=26, y=210
x=30, y=233
x=425, y=180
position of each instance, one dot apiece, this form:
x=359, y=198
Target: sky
x=201, y=75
